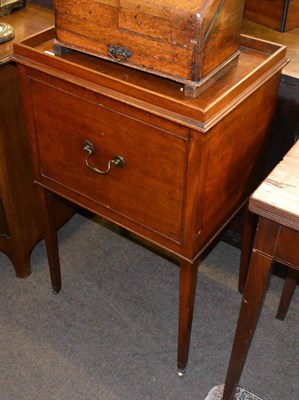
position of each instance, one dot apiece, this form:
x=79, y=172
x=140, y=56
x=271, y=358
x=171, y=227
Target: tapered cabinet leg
x=51, y=241
x=287, y=293
x=255, y=288
x=188, y=277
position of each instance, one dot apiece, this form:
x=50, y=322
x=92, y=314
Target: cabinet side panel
x=235, y=152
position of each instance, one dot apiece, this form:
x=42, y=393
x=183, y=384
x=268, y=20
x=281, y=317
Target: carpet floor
x=111, y=333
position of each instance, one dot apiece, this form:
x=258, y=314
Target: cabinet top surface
x=25, y=22
x=258, y=62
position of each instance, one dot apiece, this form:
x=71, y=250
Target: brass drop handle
x=117, y=161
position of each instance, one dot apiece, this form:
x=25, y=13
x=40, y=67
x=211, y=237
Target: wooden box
x=281, y=15
x=189, y=41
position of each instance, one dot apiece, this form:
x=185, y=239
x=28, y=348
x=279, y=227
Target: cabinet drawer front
x=148, y=190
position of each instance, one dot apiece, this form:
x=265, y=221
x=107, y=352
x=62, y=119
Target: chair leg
x=255, y=288
x=247, y=245
x=287, y=293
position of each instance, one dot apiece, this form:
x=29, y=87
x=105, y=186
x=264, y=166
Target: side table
x=276, y=204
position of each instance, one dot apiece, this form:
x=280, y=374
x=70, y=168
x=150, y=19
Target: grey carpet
x=111, y=333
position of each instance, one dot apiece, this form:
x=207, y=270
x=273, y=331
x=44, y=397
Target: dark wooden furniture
x=276, y=203
x=174, y=170
x=281, y=15
x=20, y=214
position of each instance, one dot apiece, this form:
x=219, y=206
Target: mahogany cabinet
x=130, y=147
x=20, y=213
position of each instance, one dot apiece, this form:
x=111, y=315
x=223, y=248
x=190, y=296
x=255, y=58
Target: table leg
x=255, y=288
x=50, y=234
x=247, y=245
x=188, y=277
